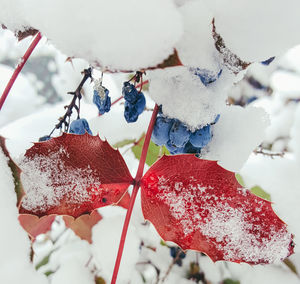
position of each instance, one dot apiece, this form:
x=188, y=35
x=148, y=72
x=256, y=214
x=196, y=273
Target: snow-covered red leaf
x=72, y=175
x=201, y=206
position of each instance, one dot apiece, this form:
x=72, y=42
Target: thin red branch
x=118, y=99
x=134, y=193
x=142, y=84
x=19, y=68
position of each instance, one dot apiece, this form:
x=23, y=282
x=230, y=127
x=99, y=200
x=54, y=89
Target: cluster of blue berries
x=176, y=252
x=134, y=102
x=101, y=98
x=177, y=138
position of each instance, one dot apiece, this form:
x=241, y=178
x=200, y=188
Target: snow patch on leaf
x=241, y=239
x=72, y=175
x=199, y=205
x=42, y=193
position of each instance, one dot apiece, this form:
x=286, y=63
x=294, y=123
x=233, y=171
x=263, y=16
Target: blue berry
x=206, y=76
x=201, y=137
x=174, y=149
x=140, y=103
x=252, y=99
x=102, y=100
x=130, y=113
x=44, y=138
x=256, y=84
x=174, y=252
x=268, y=61
x=190, y=149
x=80, y=126
x=160, y=134
x=179, y=134
x=129, y=92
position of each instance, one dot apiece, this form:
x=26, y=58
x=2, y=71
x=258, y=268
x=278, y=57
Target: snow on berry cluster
x=178, y=138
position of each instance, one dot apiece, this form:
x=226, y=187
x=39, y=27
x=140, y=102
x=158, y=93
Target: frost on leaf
x=201, y=206
x=72, y=175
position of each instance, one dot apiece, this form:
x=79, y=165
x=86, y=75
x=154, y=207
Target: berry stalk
x=19, y=68
x=137, y=180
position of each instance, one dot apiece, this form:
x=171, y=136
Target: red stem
x=142, y=84
x=19, y=68
x=118, y=99
x=134, y=193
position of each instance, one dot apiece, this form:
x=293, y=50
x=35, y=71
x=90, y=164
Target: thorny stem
x=19, y=68
x=76, y=95
x=134, y=194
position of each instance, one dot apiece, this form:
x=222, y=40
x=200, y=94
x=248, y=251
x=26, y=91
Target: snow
x=295, y=135
x=286, y=84
x=73, y=272
x=196, y=47
x=14, y=242
x=105, y=245
x=98, y=30
x=261, y=274
x=21, y=94
x=256, y=31
x=9, y=8
x=239, y=131
x=183, y=96
x=229, y=226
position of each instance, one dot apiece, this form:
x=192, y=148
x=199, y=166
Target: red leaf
x=82, y=226
x=72, y=175
x=201, y=206
x=34, y=225
x=172, y=61
x=124, y=202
